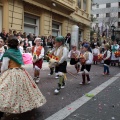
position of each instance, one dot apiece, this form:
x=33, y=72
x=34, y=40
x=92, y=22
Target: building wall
x=105, y=1
x=101, y=10
x=15, y=10
x=16, y=13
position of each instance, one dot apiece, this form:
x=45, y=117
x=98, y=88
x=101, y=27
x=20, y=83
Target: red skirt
x=95, y=58
x=38, y=63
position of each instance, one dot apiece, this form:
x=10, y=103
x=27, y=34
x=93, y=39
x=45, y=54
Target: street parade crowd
x=18, y=90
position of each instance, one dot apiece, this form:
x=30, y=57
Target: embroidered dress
x=18, y=91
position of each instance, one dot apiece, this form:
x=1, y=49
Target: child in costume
x=86, y=64
x=61, y=52
x=38, y=54
x=106, y=58
x=95, y=52
x=74, y=55
x=18, y=91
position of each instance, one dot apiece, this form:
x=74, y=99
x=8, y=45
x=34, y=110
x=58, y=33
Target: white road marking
x=66, y=111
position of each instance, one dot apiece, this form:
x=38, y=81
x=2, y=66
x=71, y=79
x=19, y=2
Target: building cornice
x=45, y=7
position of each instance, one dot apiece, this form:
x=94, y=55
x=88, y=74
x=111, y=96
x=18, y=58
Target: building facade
x=107, y=14
x=46, y=17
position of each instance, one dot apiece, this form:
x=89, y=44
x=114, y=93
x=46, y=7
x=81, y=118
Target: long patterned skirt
x=18, y=92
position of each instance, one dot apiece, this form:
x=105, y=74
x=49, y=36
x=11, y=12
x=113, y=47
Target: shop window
x=108, y=5
x=31, y=24
x=0, y=19
x=56, y=29
x=107, y=14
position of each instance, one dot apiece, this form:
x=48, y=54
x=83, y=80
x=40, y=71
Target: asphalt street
x=102, y=106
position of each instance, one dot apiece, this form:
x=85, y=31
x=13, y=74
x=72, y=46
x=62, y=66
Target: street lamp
x=113, y=32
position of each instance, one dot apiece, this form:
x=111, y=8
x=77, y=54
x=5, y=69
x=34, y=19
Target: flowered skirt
x=18, y=92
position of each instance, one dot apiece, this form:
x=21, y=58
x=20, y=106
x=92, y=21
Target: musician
x=62, y=53
x=38, y=54
x=74, y=57
x=86, y=64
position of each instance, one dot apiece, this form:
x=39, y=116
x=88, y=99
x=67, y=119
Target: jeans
x=106, y=69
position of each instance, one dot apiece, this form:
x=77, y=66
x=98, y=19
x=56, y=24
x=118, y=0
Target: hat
x=86, y=45
x=60, y=39
x=37, y=39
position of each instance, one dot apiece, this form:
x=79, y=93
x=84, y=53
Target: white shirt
x=2, y=50
x=90, y=58
x=21, y=49
x=96, y=51
x=65, y=54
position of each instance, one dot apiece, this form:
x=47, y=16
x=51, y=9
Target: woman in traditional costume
x=18, y=91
